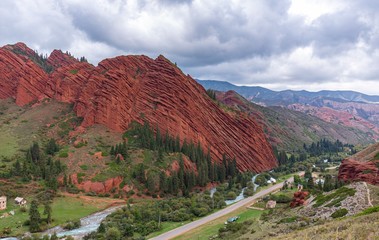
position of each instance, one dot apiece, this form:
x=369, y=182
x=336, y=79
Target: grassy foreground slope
x=361, y=227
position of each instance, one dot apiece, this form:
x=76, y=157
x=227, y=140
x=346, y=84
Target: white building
x=3, y=202
x=20, y=201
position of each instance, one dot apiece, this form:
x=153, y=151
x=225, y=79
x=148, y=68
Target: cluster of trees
x=312, y=154
x=45, y=237
x=36, y=165
x=324, y=146
x=83, y=59
x=183, y=180
x=146, y=218
x=39, y=59
x=211, y=93
x=330, y=183
x=119, y=149
x=283, y=157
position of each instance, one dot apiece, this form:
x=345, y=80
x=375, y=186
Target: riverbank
x=65, y=207
x=88, y=224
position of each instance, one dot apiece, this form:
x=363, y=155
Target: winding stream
x=88, y=224
x=240, y=196
x=92, y=222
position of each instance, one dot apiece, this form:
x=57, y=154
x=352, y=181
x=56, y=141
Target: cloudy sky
x=279, y=44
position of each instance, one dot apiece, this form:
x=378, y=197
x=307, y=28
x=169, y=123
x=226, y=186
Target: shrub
x=63, y=154
x=113, y=233
x=281, y=198
x=231, y=195
x=248, y=192
x=288, y=220
x=84, y=167
x=339, y=213
x=72, y=225
x=338, y=196
x=370, y=210
x=7, y=230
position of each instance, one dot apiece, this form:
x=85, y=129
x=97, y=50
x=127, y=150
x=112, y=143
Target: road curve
x=192, y=225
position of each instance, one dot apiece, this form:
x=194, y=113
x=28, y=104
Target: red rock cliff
x=133, y=88
x=363, y=166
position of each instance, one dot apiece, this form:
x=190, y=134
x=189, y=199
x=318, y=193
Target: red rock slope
x=127, y=88
x=20, y=77
x=363, y=166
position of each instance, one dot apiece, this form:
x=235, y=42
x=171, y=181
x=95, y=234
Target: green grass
x=147, y=156
x=211, y=228
x=8, y=144
x=288, y=220
x=167, y=226
x=113, y=170
x=369, y=210
x=13, y=222
x=63, y=210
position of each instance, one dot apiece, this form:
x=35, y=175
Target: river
x=88, y=224
x=240, y=196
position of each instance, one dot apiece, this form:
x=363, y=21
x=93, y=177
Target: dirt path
x=368, y=195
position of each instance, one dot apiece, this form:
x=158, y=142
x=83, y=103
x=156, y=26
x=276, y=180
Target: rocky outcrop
x=353, y=204
x=352, y=170
x=58, y=59
x=137, y=88
x=97, y=187
x=362, y=166
x=20, y=77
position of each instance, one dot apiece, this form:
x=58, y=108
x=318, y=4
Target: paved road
x=185, y=228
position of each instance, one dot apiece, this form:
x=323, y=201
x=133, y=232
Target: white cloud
x=284, y=44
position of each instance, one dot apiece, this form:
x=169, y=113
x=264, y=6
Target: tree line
x=37, y=165
x=146, y=136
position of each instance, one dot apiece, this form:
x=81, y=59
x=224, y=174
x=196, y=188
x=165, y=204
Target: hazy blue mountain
x=269, y=97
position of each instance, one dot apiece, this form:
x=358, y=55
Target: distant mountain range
x=289, y=129
x=287, y=97
x=345, y=108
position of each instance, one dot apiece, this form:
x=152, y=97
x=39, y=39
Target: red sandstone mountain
x=363, y=166
x=287, y=129
x=136, y=88
x=344, y=114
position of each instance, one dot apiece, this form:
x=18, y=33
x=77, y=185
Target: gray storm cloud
x=253, y=42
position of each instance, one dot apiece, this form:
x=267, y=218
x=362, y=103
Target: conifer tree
x=47, y=211
x=181, y=172
x=34, y=217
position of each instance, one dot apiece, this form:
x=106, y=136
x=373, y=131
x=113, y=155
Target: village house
x=20, y=201
x=3, y=202
x=270, y=204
